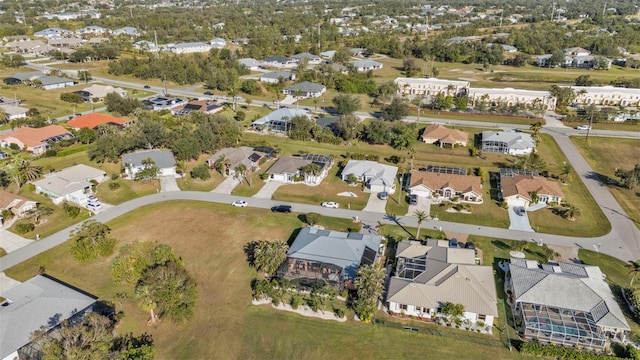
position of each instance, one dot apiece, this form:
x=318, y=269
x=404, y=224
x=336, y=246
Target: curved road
x=622, y=242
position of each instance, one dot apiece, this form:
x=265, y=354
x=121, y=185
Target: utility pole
x=501, y=15
x=590, y=122
x=553, y=10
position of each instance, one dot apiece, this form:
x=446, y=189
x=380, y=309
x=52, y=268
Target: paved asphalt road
x=622, y=242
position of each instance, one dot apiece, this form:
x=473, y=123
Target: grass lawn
x=3, y=252
x=224, y=324
x=490, y=118
x=398, y=203
x=127, y=190
x=328, y=190
x=187, y=183
x=250, y=185
x=604, y=155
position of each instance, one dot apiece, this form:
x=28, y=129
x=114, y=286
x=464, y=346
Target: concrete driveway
x=227, y=185
x=519, y=222
x=7, y=283
x=375, y=204
x=268, y=189
x=11, y=242
x=168, y=183
x=424, y=204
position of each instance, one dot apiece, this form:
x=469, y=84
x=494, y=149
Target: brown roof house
x=446, y=186
x=518, y=189
x=428, y=276
x=438, y=134
x=289, y=169
x=35, y=140
x=18, y=205
x=250, y=157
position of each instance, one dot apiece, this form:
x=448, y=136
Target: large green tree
x=346, y=104
x=370, y=285
x=629, y=178
x=269, y=255
x=396, y=110
x=134, y=259
x=91, y=240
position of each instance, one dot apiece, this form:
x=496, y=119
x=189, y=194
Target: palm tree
x=572, y=212
x=221, y=164
x=633, y=268
x=269, y=255
x=379, y=228
x=297, y=94
x=370, y=285
x=22, y=171
x=536, y=127
x=422, y=216
x=144, y=295
x=240, y=171
x=310, y=169
x=566, y=170
x=534, y=197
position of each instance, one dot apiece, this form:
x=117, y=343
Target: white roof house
x=92, y=29
x=218, y=43
x=52, y=33
x=565, y=303
x=507, y=142
x=428, y=276
x=70, y=184
x=127, y=30
x=275, y=76
x=606, y=95
x=512, y=97
x=36, y=303
x=14, y=112
x=163, y=159
x=101, y=91
x=145, y=45
x=313, y=59
x=187, y=48
x=278, y=119
x=377, y=177
x=366, y=65
x=250, y=63
x=307, y=89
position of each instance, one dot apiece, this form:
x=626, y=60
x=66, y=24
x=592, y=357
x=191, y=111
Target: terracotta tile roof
x=434, y=181
x=7, y=199
x=446, y=135
x=524, y=184
x=92, y=121
x=32, y=137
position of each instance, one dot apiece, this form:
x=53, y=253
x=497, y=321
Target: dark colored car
x=147, y=87
x=208, y=93
x=469, y=245
x=281, y=209
x=413, y=200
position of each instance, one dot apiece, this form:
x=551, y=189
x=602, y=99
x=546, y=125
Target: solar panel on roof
x=254, y=157
x=368, y=256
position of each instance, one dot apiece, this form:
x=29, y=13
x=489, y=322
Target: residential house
x=203, y=106
x=17, y=205
x=307, y=89
x=366, y=65
x=10, y=38
x=428, y=276
x=328, y=54
x=327, y=122
x=512, y=97
x=35, y=140
x=189, y=48
x=93, y=120
x=288, y=169
x=517, y=188
x=22, y=47
x=14, y=112
x=576, y=51
x=71, y=184
x=72, y=42
x=431, y=86
x=278, y=61
x=53, y=33
x=92, y=30
x=144, y=45
x=218, y=43
x=53, y=82
x=357, y=51
x=127, y=30
x=97, y=93
x=4, y=100
x=20, y=78
x=163, y=103
x=41, y=303
x=278, y=120
x=250, y=157
x=275, y=76
x=441, y=135
x=340, y=68
x=375, y=176
x=323, y=257
x=507, y=142
x=249, y=63
x=97, y=40
x=545, y=61
x=567, y=304
x=312, y=59
x=135, y=162
x=446, y=186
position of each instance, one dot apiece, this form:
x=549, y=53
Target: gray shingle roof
x=333, y=247
x=566, y=285
x=36, y=302
x=277, y=75
x=379, y=174
x=162, y=158
x=514, y=140
x=306, y=87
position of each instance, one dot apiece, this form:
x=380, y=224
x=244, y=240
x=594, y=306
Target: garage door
x=420, y=193
x=516, y=202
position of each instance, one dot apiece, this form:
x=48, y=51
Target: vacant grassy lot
x=187, y=183
x=328, y=190
x=225, y=325
x=604, y=155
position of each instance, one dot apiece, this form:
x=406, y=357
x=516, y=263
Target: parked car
x=281, y=208
x=520, y=210
x=469, y=245
x=147, y=87
x=383, y=195
x=330, y=204
x=92, y=198
x=208, y=93
x=453, y=243
x=240, y=203
x=413, y=199
x=94, y=206
x=583, y=127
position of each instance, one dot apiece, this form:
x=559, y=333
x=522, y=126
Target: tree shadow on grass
x=500, y=244
x=395, y=219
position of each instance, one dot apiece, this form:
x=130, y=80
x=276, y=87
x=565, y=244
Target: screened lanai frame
x=561, y=326
x=309, y=273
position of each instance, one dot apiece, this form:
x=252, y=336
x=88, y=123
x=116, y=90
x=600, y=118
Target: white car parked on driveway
x=94, y=206
x=330, y=204
x=240, y=203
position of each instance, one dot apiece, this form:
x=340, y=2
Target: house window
x=404, y=307
x=482, y=317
